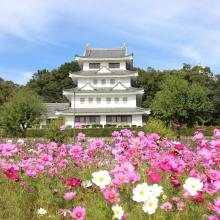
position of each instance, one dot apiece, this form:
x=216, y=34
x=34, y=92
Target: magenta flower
x=73, y=182
x=78, y=213
x=11, y=173
x=153, y=177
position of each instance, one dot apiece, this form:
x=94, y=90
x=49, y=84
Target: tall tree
x=24, y=110
x=150, y=80
x=178, y=100
x=49, y=85
x=6, y=90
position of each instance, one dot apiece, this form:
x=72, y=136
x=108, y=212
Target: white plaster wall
x=103, y=120
x=137, y=120
x=131, y=102
x=125, y=81
x=102, y=64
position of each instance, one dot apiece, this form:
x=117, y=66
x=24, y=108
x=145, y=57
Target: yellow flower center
x=150, y=203
x=142, y=193
x=101, y=179
x=193, y=186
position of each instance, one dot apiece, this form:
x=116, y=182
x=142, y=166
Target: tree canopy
x=6, y=90
x=179, y=100
x=49, y=85
x=24, y=110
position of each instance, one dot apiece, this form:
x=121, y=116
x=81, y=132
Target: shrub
x=157, y=126
x=53, y=132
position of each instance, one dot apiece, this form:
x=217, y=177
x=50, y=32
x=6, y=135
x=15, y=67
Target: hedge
x=107, y=132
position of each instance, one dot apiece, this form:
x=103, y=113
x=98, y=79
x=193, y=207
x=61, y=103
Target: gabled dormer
x=119, y=86
x=104, y=70
x=87, y=86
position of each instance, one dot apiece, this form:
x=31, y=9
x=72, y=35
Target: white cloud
x=183, y=28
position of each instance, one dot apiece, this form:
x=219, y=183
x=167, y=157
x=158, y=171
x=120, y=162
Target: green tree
x=6, y=90
x=216, y=101
x=150, y=80
x=24, y=110
x=50, y=84
x=178, y=100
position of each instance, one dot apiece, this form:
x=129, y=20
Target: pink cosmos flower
x=8, y=149
x=166, y=206
x=214, y=174
x=217, y=205
x=75, y=151
x=216, y=133
x=78, y=125
x=81, y=136
x=63, y=127
x=69, y=195
x=153, y=177
x=111, y=195
x=73, y=182
x=78, y=213
x=11, y=173
x=53, y=171
x=213, y=217
x=97, y=143
x=181, y=206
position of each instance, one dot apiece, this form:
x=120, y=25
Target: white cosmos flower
x=141, y=192
x=86, y=183
x=118, y=211
x=150, y=205
x=41, y=211
x=156, y=190
x=101, y=178
x=21, y=141
x=192, y=185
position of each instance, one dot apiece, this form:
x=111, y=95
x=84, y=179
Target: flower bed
x=136, y=177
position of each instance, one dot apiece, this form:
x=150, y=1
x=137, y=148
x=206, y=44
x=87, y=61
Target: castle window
x=114, y=65
x=124, y=99
x=112, y=81
x=108, y=99
x=95, y=81
x=94, y=65
x=98, y=100
x=90, y=99
x=116, y=99
x=82, y=100
x=103, y=81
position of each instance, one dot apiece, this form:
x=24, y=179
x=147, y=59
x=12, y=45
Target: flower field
x=137, y=177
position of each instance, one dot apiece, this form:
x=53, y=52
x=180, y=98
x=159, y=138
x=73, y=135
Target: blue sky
x=38, y=34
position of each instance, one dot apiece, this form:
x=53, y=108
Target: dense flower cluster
x=156, y=173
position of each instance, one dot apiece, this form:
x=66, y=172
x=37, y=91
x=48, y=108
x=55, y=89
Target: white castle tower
x=104, y=92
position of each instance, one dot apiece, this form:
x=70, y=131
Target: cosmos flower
x=118, y=211
x=193, y=185
x=41, y=211
x=150, y=205
x=101, y=178
x=167, y=206
x=141, y=192
x=78, y=213
x=69, y=195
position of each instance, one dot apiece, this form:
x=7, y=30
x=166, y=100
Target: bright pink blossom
x=78, y=213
